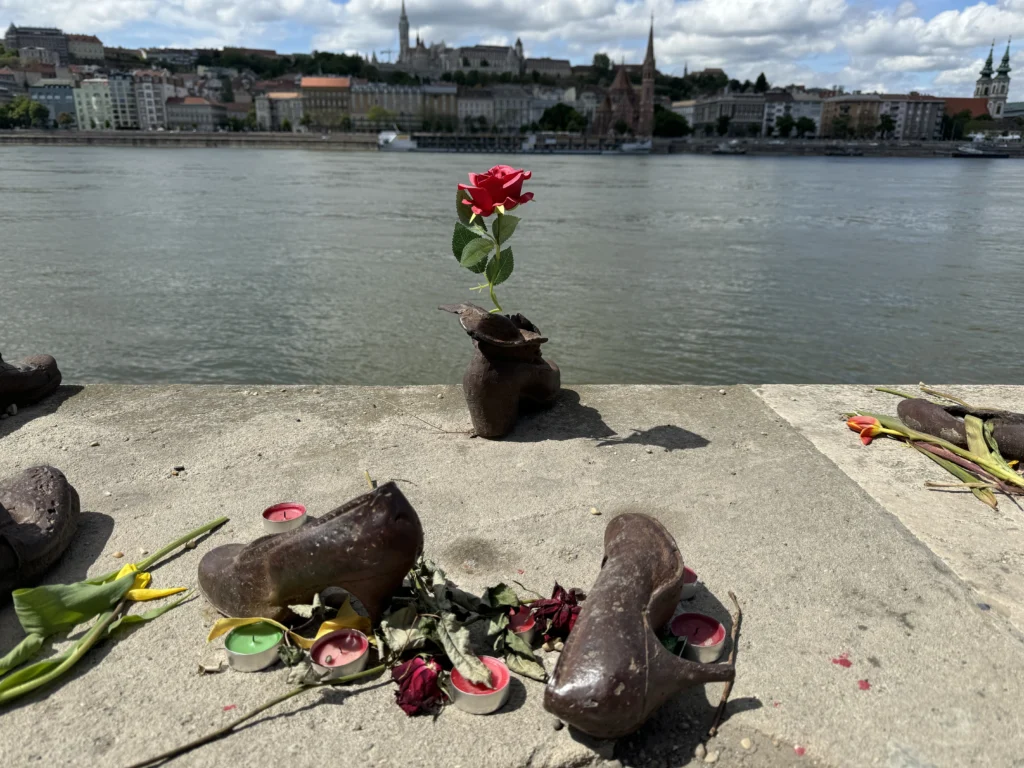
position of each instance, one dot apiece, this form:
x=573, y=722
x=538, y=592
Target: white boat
x=393, y=141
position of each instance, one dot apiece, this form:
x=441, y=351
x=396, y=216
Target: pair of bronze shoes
x=27, y=381
x=39, y=512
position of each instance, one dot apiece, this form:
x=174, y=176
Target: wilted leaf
x=134, y=619
x=454, y=639
x=402, y=632
x=53, y=608
x=21, y=653
x=521, y=659
x=501, y=596
x=290, y=655
x=497, y=625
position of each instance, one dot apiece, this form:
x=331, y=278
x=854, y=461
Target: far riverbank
x=504, y=144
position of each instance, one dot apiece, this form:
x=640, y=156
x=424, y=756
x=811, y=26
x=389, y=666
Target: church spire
x=650, y=44
x=403, y=9
x=1004, y=65
x=987, y=70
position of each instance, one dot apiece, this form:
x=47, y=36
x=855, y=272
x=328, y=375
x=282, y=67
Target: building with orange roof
x=327, y=100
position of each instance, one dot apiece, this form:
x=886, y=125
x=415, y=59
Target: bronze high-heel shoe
x=366, y=546
x=506, y=368
x=614, y=672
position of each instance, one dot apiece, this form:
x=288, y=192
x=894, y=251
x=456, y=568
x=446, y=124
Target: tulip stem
x=164, y=551
x=228, y=729
x=896, y=392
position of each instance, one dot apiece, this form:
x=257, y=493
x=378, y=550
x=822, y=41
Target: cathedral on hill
x=623, y=107
x=437, y=58
x=995, y=89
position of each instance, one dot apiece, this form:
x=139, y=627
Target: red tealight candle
x=698, y=629
x=284, y=517
x=339, y=649
x=521, y=619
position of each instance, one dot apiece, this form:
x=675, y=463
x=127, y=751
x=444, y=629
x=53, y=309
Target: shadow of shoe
x=566, y=419
x=667, y=436
x=44, y=407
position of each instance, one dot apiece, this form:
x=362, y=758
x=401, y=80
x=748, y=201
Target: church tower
x=645, y=118
x=983, y=87
x=1001, y=86
x=403, y=37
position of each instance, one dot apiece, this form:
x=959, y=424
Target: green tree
x=227, y=91
x=378, y=114
x=602, y=64
x=621, y=127
x=761, y=86
x=886, y=126
x=306, y=120
x=785, y=125
x=250, y=118
x=753, y=129
x=668, y=124
x=65, y=120
x=562, y=117
x=708, y=129
x=722, y=126
x=286, y=125
x=804, y=126
x=841, y=127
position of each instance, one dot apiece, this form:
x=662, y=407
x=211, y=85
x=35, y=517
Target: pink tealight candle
x=522, y=623
x=705, y=637
x=477, y=698
x=283, y=517
x=340, y=653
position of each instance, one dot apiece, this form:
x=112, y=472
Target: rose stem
x=230, y=727
x=732, y=660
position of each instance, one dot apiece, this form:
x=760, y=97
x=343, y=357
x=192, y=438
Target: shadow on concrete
x=667, y=436
x=672, y=733
x=45, y=407
x=567, y=419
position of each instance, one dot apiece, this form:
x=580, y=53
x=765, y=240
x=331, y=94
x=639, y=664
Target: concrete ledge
x=820, y=565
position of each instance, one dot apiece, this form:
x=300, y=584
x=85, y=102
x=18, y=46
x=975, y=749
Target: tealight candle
x=689, y=583
x=340, y=653
x=705, y=637
x=283, y=517
x=253, y=647
x=477, y=698
x=522, y=623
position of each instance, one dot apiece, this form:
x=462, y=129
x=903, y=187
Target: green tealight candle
x=253, y=638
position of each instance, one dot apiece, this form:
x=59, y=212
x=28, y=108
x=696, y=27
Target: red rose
x=418, y=690
x=502, y=185
x=561, y=611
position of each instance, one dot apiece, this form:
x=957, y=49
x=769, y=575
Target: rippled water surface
x=290, y=266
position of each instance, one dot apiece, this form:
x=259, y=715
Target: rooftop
x=284, y=95
x=85, y=38
x=326, y=82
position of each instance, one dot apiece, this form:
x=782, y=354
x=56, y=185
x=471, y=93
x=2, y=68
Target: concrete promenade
x=832, y=548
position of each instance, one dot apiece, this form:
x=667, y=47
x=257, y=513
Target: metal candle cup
x=705, y=636
x=522, y=623
x=286, y=516
x=690, y=583
x=340, y=653
x=253, y=647
x=481, y=699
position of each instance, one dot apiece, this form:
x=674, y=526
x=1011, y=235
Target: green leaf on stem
x=504, y=226
x=475, y=252
x=454, y=639
x=53, y=608
x=461, y=237
x=499, y=270
x=134, y=619
x=463, y=210
x=33, y=671
x=521, y=659
x=501, y=596
x=21, y=653
x=976, y=442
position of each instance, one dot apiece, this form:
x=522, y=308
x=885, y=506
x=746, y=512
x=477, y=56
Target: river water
x=291, y=266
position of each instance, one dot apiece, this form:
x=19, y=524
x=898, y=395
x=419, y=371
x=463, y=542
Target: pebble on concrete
x=711, y=757
x=700, y=752
x=119, y=554
x=179, y=468
x=94, y=444
x=746, y=743
x=594, y=511
x=721, y=391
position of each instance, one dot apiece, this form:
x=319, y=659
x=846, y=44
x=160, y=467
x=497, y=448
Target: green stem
x=230, y=727
x=163, y=552
x=90, y=639
x=497, y=264
x=895, y=392
x=935, y=393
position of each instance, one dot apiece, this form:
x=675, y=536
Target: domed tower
x=403, y=36
x=645, y=118
x=1001, y=86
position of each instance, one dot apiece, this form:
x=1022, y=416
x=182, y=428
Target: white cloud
x=857, y=43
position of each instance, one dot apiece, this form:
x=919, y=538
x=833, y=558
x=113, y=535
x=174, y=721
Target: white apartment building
x=122, y=101
x=475, y=103
x=152, y=90
x=795, y=103
x=916, y=116
x=92, y=105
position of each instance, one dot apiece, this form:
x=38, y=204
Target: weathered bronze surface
x=614, y=672
x=947, y=422
x=506, y=368
x=366, y=546
x=39, y=512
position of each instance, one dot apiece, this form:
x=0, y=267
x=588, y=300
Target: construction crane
x=387, y=52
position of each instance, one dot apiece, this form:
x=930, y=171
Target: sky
x=933, y=46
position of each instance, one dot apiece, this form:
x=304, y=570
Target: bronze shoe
x=506, y=369
x=614, y=672
x=39, y=512
x=27, y=381
x=947, y=422
x=366, y=546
